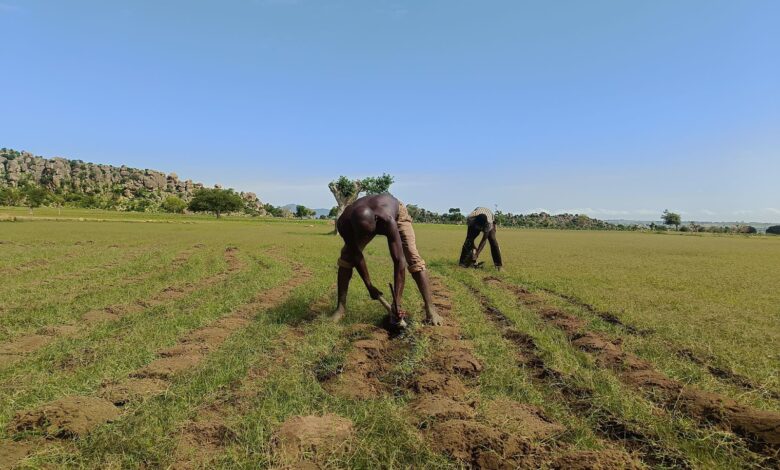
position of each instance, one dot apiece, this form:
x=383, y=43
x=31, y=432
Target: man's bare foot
x=336, y=316
x=434, y=318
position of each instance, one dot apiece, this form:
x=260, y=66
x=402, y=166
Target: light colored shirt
x=482, y=211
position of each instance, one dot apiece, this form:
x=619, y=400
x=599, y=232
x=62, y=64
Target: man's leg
x=423, y=284
x=495, y=251
x=416, y=265
x=467, y=252
x=344, y=276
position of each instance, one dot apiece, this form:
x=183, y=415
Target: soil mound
x=67, y=417
x=595, y=460
x=315, y=436
x=760, y=424
x=25, y=344
x=439, y=384
x=435, y=407
x=456, y=357
x=365, y=362
x=201, y=440
x=134, y=389
x=477, y=444
x=520, y=419
x=166, y=367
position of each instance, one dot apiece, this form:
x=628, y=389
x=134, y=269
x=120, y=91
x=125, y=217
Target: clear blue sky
x=617, y=109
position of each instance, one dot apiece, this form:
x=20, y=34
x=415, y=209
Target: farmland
x=179, y=341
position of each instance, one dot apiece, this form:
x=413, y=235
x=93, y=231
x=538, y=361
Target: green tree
x=10, y=196
x=272, y=210
x=173, y=204
x=346, y=191
x=333, y=212
x=215, y=200
x=671, y=218
x=302, y=212
x=454, y=215
x=34, y=196
x=377, y=184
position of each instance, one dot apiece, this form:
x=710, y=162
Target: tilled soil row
x=727, y=375
x=608, y=317
x=75, y=416
x=760, y=428
x=506, y=433
x=707, y=362
x=22, y=346
x=82, y=273
x=579, y=400
x=208, y=434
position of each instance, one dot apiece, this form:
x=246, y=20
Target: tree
x=10, y=196
x=454, y=215
x=272, y=210
x=346, y=191
x=670, y=218
x=215, y=200
x=333, y=212
x=773, y=230
x=173, y=204
x=34, y=196
x=303, y=212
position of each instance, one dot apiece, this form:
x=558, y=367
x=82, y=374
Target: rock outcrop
x=113, y=187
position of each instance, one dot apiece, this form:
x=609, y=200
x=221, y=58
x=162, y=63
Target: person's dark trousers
x=495, y=251
x=472, y=233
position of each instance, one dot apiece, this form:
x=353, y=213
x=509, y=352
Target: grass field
x=188, y=342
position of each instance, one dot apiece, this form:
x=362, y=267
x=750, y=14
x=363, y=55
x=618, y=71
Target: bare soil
x=132, y=389
x=67, y=417
x=313, y=437
x=759, y=427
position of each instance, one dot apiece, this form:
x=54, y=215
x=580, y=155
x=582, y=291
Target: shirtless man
x=361, y=221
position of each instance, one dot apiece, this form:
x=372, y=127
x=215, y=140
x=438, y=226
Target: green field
x=149, y=340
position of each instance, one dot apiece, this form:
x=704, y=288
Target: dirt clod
x=474, y=443
x=435, y=407
x=521, y=419
x=67, y=417
x=595, y=460
x=11, y=452
x=313, y=436
x=166, y=367
x=25, y=344
x=458, y=359
x=440, y=384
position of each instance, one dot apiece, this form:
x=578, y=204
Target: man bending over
x=480, y=220
x=360, y=222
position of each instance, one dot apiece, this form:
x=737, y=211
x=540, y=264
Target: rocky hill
x=96, y=185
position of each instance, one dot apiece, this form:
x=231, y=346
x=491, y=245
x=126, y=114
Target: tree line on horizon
x=218, y=201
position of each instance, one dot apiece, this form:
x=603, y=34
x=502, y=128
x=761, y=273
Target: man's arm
x=362, y=269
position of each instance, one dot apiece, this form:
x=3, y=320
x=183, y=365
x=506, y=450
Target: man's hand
x=374, y=293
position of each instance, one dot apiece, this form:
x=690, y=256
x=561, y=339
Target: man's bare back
x=360, y=222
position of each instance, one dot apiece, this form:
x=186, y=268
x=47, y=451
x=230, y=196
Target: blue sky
x=618, y=109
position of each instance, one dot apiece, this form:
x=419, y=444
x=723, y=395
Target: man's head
x=481, y=223
x=363, y=220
